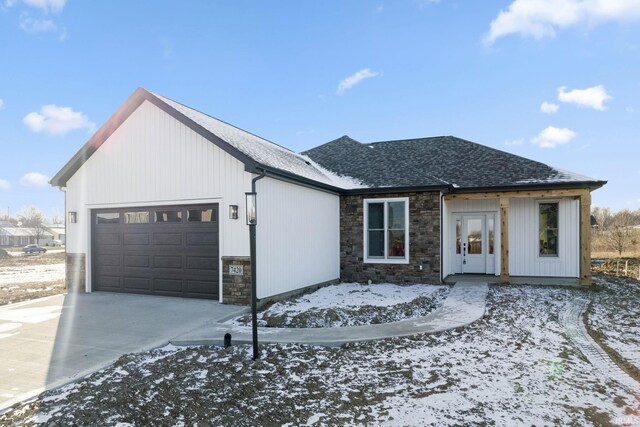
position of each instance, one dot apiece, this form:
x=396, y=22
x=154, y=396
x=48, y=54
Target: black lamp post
x=252, y=221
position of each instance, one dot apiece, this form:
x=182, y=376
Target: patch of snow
x=32, y=273
x=351, y=295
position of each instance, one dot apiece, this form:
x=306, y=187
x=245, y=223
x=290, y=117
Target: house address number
x=236, y=270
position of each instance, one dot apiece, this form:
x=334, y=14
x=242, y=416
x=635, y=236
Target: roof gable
x=255, y=152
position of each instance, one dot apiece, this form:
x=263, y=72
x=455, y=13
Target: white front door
x=474, y=243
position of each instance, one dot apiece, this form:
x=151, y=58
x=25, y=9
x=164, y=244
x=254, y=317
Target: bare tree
x=33, y=218
x=620, y=233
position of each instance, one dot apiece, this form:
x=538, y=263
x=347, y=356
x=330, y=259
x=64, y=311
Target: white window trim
x=365, y=243
x=547, y=258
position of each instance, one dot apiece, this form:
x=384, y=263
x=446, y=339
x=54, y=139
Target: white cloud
x=354, y=79
x=47, y=5
x=514, y=142
x=35, y=26
x=4, y=184
x=34, y=179
x=593, y=97
x=57, y=120
x=552, y=136
x=549, y=108
x=1, y=104
x=542, y=18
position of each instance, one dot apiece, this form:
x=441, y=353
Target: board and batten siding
x=298, y=237
x=153, y=159
x=524, y=259
x=451, y=207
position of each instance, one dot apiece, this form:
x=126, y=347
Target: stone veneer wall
x=424, y=241
x=75, y=277
x=236, y=289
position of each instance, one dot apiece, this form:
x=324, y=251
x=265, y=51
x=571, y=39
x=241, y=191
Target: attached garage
x=160, y=250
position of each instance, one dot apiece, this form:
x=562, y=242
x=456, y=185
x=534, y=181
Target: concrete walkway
x=48, y=342
x=465, y=304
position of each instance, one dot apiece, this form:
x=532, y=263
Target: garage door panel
x=136, y=260
x=168, y=261
x=198, y=287
x=173, y=239
x=137, y=283
x=202, y=263
x=107, y=239
x=131, y=239
x=178, y=258
x=108, y=282
x=106, y=260
x=168, y=285
x=200, y=238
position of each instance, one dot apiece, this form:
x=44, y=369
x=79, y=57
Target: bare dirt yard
x=24, y=277
x=516, y=366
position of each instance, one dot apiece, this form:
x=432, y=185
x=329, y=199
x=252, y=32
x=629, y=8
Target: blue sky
x=302, y=73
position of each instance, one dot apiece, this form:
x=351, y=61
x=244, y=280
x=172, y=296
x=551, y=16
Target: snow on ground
x=351, y=304
x=350, y=295
x=516, y=366
x=616, y=315
x=38, y=273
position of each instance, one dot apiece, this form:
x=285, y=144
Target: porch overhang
x=583, y=194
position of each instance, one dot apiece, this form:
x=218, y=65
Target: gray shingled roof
x=443, y=160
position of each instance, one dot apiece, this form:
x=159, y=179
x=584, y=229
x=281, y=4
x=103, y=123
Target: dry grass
x=20, y=260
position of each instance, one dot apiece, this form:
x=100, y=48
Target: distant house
x=57, y=232
x=156, y=199
x=22, y=236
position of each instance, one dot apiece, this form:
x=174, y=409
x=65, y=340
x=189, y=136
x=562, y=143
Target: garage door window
x=108, y=218
x=168, y=216
x=136, y=217
x=200, y=215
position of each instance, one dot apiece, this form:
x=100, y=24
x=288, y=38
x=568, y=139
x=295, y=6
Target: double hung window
x=386, y=234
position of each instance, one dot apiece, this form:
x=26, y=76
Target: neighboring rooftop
x=438, y=160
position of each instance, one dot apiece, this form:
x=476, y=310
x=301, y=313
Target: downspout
x=441, y=237
x=442, y=194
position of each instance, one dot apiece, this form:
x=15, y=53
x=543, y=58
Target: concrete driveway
x=50, y=341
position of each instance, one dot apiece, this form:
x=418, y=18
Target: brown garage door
x=164, y=250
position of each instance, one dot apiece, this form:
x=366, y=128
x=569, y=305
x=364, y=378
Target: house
x=22, y=236
x=57, y=232
x=155, y=201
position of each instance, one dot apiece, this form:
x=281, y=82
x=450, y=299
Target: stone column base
x=236, y=280
x=75, y=269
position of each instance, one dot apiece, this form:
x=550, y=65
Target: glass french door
x=474, y=243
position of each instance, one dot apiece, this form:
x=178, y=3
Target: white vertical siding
x=524, y=259
x=153, y=159
x=298, y=237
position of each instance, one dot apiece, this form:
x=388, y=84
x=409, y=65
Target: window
x=548, y=229
x=386, y=236
x=136, y=217
x=168, y=216
x=108, y=218
x=491, y=231
x=201, y=215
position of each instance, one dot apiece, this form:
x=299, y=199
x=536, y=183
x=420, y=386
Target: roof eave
x=592, y=185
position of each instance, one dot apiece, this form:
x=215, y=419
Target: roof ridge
x=159, y=96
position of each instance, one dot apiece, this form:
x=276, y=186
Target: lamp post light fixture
x=252, y=221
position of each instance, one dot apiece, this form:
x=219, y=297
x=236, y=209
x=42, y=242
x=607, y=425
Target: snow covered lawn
x=27, y=277
x=352, y=304
x=516, y=366
x=615, y=315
